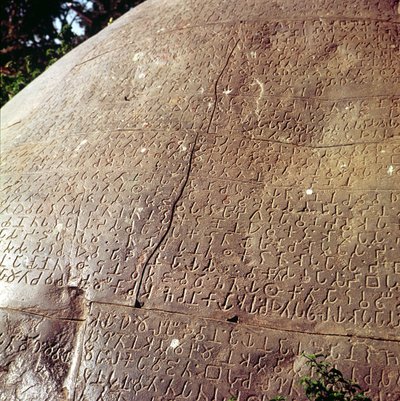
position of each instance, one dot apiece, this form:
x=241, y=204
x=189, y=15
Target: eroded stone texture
x=199, y=193
x=38, y=357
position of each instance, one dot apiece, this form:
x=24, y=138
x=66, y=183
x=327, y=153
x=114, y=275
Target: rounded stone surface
x=198, y=194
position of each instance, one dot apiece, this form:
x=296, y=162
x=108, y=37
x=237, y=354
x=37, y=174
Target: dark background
x=35, y=33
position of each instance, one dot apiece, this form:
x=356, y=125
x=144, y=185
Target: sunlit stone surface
x=198, y=194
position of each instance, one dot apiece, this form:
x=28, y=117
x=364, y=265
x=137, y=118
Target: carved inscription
x=198, y=194
x=36, y=357
x=281, y=256
x=164, y=356
x=70, y=213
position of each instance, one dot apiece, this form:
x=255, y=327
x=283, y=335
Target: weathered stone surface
x=38, y=357
x=199, y=193
x=164, y=356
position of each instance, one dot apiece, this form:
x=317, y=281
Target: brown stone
x=198, y=194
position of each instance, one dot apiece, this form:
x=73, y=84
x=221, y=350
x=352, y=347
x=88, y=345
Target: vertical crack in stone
x=171, y=219
x=185, y=181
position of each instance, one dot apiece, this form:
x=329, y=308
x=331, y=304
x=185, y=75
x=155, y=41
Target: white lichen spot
x=261, y=86
x=390, y=170
x=138, y=56
x=253, y=54
x=183, y=148
x=201, y=90
x=142, y=150
x=309, y=191
x=139, y=209
x=141, y=75
x=27, y=262
x=227, y=91
x=343, y=165
x=160, y=61
x=59, y=227
x=83, y=143
x=210, y=105
x=174, y=343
